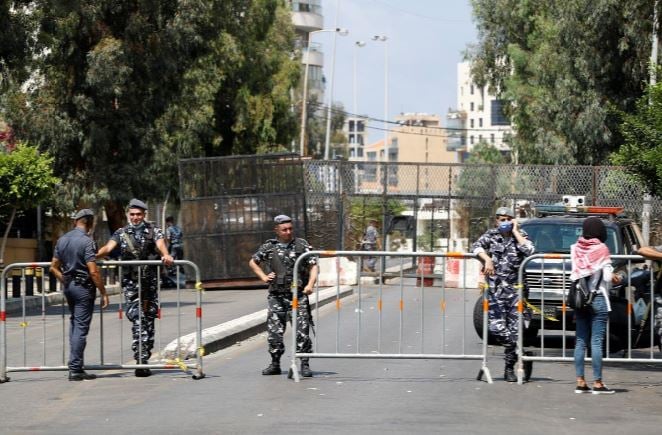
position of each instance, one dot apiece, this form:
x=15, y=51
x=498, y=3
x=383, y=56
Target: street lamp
x=357, y=45
x=338, y=30
x=384, y=39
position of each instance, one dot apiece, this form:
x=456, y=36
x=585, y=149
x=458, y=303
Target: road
x=346, y=395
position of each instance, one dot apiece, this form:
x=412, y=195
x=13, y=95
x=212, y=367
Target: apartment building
x=479, y=116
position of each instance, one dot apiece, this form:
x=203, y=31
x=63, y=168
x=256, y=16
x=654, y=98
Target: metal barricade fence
x=398, y=300
x=630, y=327
x=20, y=346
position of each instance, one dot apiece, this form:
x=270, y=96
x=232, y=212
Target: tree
x=641, y=152
x=562, y=66
x=121, y=89
x=27, y=180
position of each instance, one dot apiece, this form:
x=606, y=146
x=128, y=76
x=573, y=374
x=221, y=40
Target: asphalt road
x=346, y=395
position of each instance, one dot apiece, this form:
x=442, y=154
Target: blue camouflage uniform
x=369, y=243
x=139, y=243
x=74, y=250
x=280, y=292
x=175, y=245
x=507, y=256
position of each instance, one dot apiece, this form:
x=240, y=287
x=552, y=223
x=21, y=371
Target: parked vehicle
x=554, y=230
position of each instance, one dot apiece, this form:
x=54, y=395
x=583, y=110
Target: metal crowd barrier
x=54, y=318
x=553, y=286
x=398, y=302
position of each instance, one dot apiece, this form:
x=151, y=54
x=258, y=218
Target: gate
x=22, y=344
x=428, y=305
x=633, y=328
x=228, y=203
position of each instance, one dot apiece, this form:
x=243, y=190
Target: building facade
x=307, y=17
x=480, y=112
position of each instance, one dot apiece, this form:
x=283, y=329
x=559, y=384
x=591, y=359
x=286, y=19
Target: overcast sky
x=426, y=39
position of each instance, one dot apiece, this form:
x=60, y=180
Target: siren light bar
x=555, y=208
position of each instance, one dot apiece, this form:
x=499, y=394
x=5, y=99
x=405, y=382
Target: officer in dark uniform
x=140, y=240
x=502, y=250
x=74, y=266
x=278, y=256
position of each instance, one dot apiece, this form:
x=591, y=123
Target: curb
x=229, y=333
x=15, y=305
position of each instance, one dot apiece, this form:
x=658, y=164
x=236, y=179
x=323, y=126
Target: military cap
x=83, y=213
x=136, y=203
x=282, y=219
x=504, y=211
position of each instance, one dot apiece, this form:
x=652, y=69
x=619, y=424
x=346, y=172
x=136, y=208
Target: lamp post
x=357, y=45
x=384, y=39
x=304, y=103
x=327, y=136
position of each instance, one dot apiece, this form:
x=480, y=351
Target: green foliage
x=641, y=153
x=27, y=180
x=120, y=90
x=26, y=177
x=562, y=65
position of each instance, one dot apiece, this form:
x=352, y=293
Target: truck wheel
x=478, y=321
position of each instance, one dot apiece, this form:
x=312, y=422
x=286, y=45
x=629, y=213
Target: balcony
x=307, y=15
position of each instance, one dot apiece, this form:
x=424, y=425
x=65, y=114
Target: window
x=471, y=106
x=471, y=139
x=351, y=125
x=480, y=122
x=359, y=152
x=352, y=139
x=471, y=123
x=471, y=91
x=360, y=126
x=498, y=116
x=492, y=138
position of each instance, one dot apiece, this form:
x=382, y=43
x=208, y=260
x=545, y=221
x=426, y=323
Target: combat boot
x=143, y=373
x=305, y=369
x=273, y=368
x=509, y=374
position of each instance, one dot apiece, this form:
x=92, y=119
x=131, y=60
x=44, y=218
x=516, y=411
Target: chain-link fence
x=228, y=203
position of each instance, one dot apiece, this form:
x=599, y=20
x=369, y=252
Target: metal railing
x=402, y=300
x=22, y=347
x=627, y=329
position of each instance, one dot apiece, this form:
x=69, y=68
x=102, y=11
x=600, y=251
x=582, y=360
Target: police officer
x=502, y=250
x=278, y=256
x=173, y=235
x=73, y=264
x=140, y=240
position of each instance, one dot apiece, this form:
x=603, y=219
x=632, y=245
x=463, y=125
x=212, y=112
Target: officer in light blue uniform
x=140, y=240
x=502, y=250
x=73, y=264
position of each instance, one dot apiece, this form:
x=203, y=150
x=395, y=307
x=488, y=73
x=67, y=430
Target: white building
x=307, y=17
x=481, y=112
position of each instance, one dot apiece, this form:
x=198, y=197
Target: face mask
x=506, y=226
x=138, y=227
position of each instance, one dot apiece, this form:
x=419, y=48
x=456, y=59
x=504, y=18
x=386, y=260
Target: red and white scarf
x=588, y=256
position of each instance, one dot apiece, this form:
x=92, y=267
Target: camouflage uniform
x=139, y=243
x=507, y=256
x=369, y=243
x=280, y=293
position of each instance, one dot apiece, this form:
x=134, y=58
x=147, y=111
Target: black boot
x=528, y=367
x=143, y=373
x=273, y=368
x=305, y=369
x=509, y=374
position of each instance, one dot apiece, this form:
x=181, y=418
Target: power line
x=399, y=124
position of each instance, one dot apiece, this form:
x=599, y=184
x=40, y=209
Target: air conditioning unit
x=574, y=201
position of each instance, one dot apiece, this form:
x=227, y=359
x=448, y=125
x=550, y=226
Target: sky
x=426, y=40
